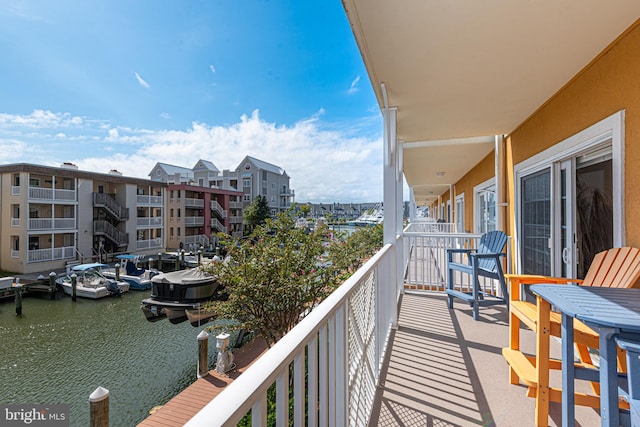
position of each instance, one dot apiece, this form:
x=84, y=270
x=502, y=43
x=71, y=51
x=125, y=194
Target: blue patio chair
x=484, y=261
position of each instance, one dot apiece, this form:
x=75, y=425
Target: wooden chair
x=618, y=267
x=482, y=262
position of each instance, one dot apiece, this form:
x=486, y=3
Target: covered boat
x=173, y=293
x=137, y=277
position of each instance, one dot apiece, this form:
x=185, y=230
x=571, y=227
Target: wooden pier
x=191, y=400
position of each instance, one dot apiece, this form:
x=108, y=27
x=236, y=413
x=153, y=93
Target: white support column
x=412, y=206
x=500, y=184
x=389, y=178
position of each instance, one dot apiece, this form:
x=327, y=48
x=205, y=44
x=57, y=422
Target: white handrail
x=329, y=325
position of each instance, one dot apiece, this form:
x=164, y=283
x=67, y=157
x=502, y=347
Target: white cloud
x=165, y=116
x=212, y=68
x=327, y=162
x=141, y=81
x=40, y=119
x=354, y=86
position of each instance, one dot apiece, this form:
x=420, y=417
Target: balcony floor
x=445, y=369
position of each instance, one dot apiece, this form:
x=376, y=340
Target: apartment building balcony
x=235, y=219
x=217, y=209
x=51, y=194
x=235, y=205
x=193, y=221
x=149, y=244
x=193, y=203
x=375, y=363
x=196, y=239
x=149, y=222
x=147, y=200
x=51, y=224
x=49, y=254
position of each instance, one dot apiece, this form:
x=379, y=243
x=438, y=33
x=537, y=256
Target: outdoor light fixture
x=439, y=173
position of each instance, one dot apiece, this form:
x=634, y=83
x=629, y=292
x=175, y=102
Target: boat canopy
x=94, y=265
x=127, y=257
x=183, y=277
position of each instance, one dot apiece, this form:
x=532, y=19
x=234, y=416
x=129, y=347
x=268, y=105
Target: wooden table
x=612, y=312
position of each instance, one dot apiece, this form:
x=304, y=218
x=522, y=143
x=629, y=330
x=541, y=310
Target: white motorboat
x=91, y=283
x=139, y=278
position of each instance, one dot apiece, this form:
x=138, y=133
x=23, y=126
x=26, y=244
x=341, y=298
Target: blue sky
x=115, y=84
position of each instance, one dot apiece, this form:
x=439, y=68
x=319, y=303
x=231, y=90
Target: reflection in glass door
x=536, y=223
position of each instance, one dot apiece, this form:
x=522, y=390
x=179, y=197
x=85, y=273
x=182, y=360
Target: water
x=59, y=352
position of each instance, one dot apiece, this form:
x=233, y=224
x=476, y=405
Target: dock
x=180, y=409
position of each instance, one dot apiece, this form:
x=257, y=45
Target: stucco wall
x=609, y=84
x=483, y=171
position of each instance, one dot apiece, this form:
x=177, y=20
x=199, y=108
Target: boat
x=176, y=292
x=371, y=217
x=91, y=283
x=139, y=278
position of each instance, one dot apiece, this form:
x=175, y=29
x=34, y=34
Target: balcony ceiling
x=459, y=69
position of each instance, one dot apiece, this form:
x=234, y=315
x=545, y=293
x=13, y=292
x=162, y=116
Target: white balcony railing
x=51, y=254
x=196, y=239
x=15, y=254
x=425, y=261
x=193, y=220
x=153, y=222
x=343, y=340
x=51, y=224
x=39, y=193
x=431, y=227
x=147, y=200
x=193, y=203
x=15, y=222
x=149, y=244
x=15, y=190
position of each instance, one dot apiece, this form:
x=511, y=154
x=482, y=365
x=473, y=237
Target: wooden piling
x=160, y=261
x=117, y=271
x=74, y=284
x=18, y=295
x=199, y=257
x=52, y=285
x=99, y=408
x=203, y=354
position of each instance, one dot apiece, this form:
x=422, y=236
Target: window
x=460, y=213
x=101, y=189
x=246, y=183
x=273, y=185
x=16, y=180
x=485, y=211
x=171, y=232
x=34, y=182
x=179, y=213
x=171, y=213
x=34, y=243
x=15, y=243
x=15, y=211
x=247, y=198
x=178, y=230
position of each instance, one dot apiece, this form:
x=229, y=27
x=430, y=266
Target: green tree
x=274, y=278
x=257, y=212
x=305, y=210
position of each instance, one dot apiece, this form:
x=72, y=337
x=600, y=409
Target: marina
x=59, y=351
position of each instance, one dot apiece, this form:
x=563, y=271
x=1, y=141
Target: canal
x=59, y=352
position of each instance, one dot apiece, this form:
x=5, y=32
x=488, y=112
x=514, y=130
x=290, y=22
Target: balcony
x=217, y=226
x=193, y=203
x=146, y=200
x=425, y=365
x=51, y=254
x=193, y=221
x=149, y=244
x=149, y=222
x=51, y=194
x=51, y=224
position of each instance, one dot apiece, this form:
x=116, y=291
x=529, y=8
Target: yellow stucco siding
x=483, y=171
x=609, y=84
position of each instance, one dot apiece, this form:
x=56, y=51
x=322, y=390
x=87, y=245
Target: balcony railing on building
x=193, y=221
x=193, y=203
x=149, y=222
x=104, y=228
x=197, y=239
x=15, y=190
x=342, y=342
x=149, y=244
x=15, y=222
x=147, y=200
x=51, y=224
x=51, y=254
x=235, y=219
x=39, y=193
x=235, y=205
x=217, y=226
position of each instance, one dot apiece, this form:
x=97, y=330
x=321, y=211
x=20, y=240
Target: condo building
x=260, y=178
x=201, y=203
x=51, y=216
